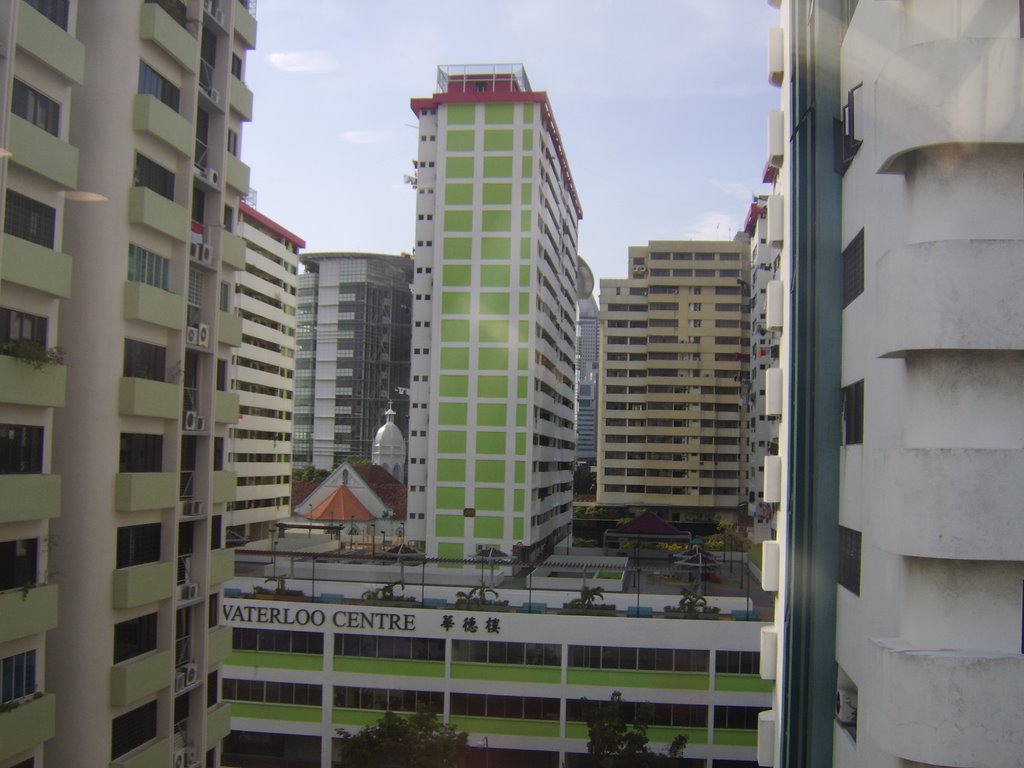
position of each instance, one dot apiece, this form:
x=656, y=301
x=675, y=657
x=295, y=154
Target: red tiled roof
x=343, y=506
x=301, y=489
x=390, y=490
x=650, y=524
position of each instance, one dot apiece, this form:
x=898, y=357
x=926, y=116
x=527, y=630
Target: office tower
x=43, y=61
x=260, y=446
x=354, y=327
x=674, y=336
x=588, y=357
x=491, y=432
x=901, y=550
x=130, y=470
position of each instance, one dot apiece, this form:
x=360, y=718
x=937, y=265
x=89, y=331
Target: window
x=144, y=361
x=155, y=84
x=737, y=662
x=278, y=640
x=233, y=142
x=273, y=693
x=153, y=176
x=853, y=269
x=147, y=267
x=350, y=697
x=517, y=707
x=744, y=718
x=55, y=10
x=21, y=326
x=420, y=649
x=225, y=296
x=853, y=414
x=849, y=559
x=132, y=729
x=134, y=637
x=30, y=220
x=141, y=453
x=482, y=651
x=18, y=563
x=17, y=676
x=21, y=449
x=138, y=544
x=42, y=111
x=236, y=65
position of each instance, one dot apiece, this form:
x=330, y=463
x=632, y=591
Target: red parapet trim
x=770, y=172
x=750, y=223
x=251, y=213
x=513, y=97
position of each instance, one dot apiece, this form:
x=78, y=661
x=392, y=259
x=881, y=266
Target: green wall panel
x=490, y=359
x=498, y=166
x=522, y=382
x=489, y=500
x=360, y=665
x=506, y=673
x=307, y=661
x=451, y=470
x=292, y=712
x=498, y=140
x=455, y=302
x=493, y=304
x=518, y=500
x=733, y=737
x=525, y=275
x=458, y=221
x=453, y=549
x=525, y=220
x=523, y=356
x=520, y=443
x=455, y=359
x=457, y=248
x=490, y=443
x=459, y=167
x=492, y=386
x=527, y=113
x=493, y=331
x=452, y=414
x=460, y=141
x=517, y=528
x=496, y=221
x=520, y=415
x=520, y=471
x=745, y=683
x=498, y=193
x=527, y=167
x=451, y=526
x=487, y=526
x=495, y=275
x=524, y=333
x=455, y=330
x=527, y=139
x=456, y=275
x=524, y=247
x=496, y=248
x=490, y=471
x=496, y=114
x=458, y=194
x=526, y=194
x=454, y=386
x=450, y=498
x=451, y=441
x=491, y=414
x=524, y=303
x=461, y=114
x=639, y=678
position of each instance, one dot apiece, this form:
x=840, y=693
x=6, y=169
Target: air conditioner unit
x=179, y=680
x=204, y=335
x=201, y=424
x=846, y=707
x=218, y=14
x=192, y=335
x=180, y=759
x=206, y=253
x=189, y=591
x=190, y=421
x=191, y=674
x=195, y=249
x=192, y=508
x=214, y=96
x=213, y=176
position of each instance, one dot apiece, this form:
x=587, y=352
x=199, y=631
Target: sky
x=661, y=104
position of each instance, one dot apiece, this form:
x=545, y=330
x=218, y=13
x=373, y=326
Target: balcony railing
x=183, y=651
x=175, y=9
x=187, y=486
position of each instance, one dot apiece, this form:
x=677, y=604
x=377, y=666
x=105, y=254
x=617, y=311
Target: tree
x=617, y=740
x=420, y=740
x=584, y=481
x=475, y=598
x=588, y=596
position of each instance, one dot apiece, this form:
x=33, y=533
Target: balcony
x=245, y=25
x=29, y=497
x=153, y=210
x=131, y=680
x=30, y=723
x=218, y=724
x=222, y=565
x=43, y=153
x=218, y=647
x=232, y=251
x=973, y=720
x=153, y=305
x=241, y=99
x=36, y=266
x=956, y=503
x=921, y=297
x=229, y=329
x=142, y=584
x=237, y=174
x=23, y=384
x=26, y=612
x=48, y=43
x=152, y=116
x=157, y=25
x=136, y=491
x=143, y=397
x=156, y=755
x=225, y=407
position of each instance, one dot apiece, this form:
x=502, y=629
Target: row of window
x=370, y=646
x=17, y=676
x=273, y=693
x=484, y=651
x=614, y=657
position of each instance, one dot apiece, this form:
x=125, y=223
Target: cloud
x=306, y=62
x=365, y=137
x=713, y=225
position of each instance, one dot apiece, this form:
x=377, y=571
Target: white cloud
x=713, y=225
x=365, y=137
x=307, y=62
